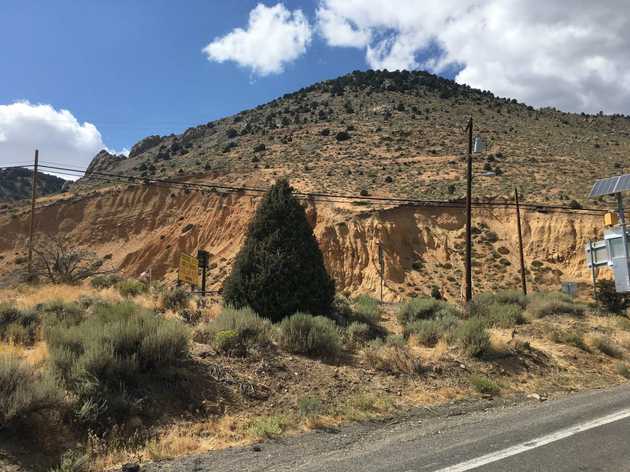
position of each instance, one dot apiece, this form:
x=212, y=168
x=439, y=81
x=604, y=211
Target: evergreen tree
x=280, y=269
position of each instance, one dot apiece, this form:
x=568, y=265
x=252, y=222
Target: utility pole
x=382, y=267
x=520, y=242
x=468, y=282
x=32, y=222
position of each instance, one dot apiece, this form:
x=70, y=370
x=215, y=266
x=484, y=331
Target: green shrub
x=342, y=308
x=191, y=316
x=485, y=385
x=54, y=311
x=108, y=359
x=310, y=335
x=572, y=338
x=251, y=330
x=9, y=313
x=87, y=301
x=309, y=407
x=131, y=287
x=607, y=347
x=392, y=358
x=623, y=370
x=499, y=315
x=553, y=303
x=18, y=326
x=72, y=461
x=175, y=299
x=280, y=268
x=105, y=281
x=429, y=332
x=268, y=427
x=473, y=337
x=366, y=309
x=23, y=391
x=395, y=340
x=358, y=333
x=424, y=309
x=609, y=299
x=228, y=342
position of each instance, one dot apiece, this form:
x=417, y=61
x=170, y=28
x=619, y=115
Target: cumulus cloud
x=57, y=134
x=572, y=55
x=274, y=37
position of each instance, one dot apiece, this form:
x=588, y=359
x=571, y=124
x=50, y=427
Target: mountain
x=394, y=134
x=375, y=133
x=17, y=184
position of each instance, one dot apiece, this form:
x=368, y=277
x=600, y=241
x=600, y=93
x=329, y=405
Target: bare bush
x=59, y=261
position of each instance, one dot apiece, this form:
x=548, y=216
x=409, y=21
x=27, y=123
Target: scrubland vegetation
x=114, y=365
x=119, y=369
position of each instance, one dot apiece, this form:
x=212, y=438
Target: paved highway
x=582, y=432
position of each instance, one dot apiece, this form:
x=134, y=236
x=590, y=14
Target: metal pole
x=593, y=273
x=32, y=222
x=520, y=242
x=624, y=236
x=468, y=282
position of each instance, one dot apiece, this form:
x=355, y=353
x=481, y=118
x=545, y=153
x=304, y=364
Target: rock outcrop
x=104, y=161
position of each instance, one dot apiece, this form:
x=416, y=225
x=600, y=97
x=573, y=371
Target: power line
x=367, y=198
x=316, y=196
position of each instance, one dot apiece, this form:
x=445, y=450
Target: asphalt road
x=588, y=431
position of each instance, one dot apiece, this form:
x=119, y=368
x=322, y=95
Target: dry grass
x=173, y=444
x=26, y=296
x=565, y=368
x=176, y=440
x=34, y=355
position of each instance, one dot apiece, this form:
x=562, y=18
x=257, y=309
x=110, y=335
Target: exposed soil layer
x=147, y=227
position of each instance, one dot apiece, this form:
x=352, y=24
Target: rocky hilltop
x=396, y=134
x=17, y=184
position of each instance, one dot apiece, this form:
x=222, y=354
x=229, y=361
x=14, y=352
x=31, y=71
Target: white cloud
x=572, y=55
x=274, y=37
x=57, y=134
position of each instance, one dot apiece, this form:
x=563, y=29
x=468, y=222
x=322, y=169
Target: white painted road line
x=537, y=442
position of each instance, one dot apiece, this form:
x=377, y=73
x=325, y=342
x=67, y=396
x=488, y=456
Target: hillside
x=405, y=139
x=17, y=184
x=394, y=134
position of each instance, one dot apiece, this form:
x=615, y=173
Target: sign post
x=593, y=269
x=203, y=257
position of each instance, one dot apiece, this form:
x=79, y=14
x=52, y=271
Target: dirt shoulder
x=420, y=431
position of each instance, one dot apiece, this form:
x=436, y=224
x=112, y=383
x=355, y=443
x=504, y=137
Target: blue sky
x=79, y=76
x=135, y=68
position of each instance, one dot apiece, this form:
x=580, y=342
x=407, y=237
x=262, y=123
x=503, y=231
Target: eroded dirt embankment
x=144, y=227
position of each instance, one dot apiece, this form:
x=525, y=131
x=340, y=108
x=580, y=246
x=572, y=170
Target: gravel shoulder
x=423, y=439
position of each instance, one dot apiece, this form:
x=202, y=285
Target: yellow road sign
x=188, y=269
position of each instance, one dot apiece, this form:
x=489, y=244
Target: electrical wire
x=525, y=206
x=311, y=196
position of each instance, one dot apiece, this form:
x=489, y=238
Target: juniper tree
x=280, y=268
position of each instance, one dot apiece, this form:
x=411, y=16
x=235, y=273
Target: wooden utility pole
x=32, y=222
x=520, y=242
x=382, y=267
x=468, y=282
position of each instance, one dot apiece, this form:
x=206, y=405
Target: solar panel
x=620, y=183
